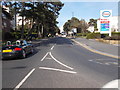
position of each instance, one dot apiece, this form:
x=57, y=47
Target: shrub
x=82, y=34
x=115, y=37
x=93, y=36
x=116, y=33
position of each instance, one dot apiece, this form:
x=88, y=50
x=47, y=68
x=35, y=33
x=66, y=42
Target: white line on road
x=95, y=62
x=44, y=56
x=90, y=60
x=60, y=62
x=48, y=58
x=54, y=69
x=25, y=78
x=107, y=63
x=52, y=47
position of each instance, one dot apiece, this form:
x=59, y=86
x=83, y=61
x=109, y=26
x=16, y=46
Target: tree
x=42, y=16
x=81, y=25
x=67, y=26
x=93, y=22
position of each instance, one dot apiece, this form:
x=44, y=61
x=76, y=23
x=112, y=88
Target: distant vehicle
x=63, y=34
x=19, y=49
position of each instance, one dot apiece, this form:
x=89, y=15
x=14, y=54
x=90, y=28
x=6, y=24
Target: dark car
x=18, y=49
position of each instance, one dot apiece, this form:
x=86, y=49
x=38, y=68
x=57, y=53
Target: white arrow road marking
x=52, y=47
x=54, y=69
x=25, y=78
x=44, y=56
x=60, y=62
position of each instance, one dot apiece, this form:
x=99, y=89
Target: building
x=91, y=29
x=6, y=19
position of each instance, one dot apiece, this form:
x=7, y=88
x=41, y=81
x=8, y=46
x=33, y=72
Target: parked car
x=18, y=49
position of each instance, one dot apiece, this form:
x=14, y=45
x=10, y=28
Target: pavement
x=98, y=47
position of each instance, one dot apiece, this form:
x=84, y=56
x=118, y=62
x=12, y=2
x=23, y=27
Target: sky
x=85, y=10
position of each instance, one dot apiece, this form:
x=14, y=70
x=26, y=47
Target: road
x=60, y=63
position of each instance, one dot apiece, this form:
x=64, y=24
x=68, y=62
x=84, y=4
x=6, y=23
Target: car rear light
x=9, y=45
x=17, y=49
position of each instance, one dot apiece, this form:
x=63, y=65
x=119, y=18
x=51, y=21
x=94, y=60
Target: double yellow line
x=92, y=50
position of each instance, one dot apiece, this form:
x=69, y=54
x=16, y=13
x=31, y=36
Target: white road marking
x=48, y=58
x=115, y=63
x=44, y=56
x=54, y=69
x=107, y=63
x=60, y=62
x=90, y=60
x=96, y=62
x=25, y=78
x=99, y=63
x=52, y=47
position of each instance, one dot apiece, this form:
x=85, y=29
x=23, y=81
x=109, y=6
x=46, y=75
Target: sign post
x=105, y=21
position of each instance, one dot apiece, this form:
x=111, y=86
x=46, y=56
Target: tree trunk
x=22, y=32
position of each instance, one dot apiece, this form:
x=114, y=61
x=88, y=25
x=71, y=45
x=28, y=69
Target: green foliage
x=116, y=33
x=93, y=22
x=81, y=25
x=82, y=34
x=93, y=36
x=42, y=14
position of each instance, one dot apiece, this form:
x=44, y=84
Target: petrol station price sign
x=105, y=20
x=105, y=25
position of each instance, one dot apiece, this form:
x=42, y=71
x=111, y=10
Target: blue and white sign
x=105, y=14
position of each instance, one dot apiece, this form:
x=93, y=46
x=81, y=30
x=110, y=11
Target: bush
x=115, y=37
x=115, y=33
x=93, y=36
x=82, y=34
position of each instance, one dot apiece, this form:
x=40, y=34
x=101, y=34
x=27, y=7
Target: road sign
x=105, y=20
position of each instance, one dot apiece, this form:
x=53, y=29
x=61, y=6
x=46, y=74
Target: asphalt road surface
x=59, y=63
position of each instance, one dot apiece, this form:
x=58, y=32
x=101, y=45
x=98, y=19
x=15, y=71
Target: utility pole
x=72, y=14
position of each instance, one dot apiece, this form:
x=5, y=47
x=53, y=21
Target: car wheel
x=23, y=54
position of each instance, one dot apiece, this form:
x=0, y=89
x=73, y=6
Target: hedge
x=82, y=34
x=93, y=36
